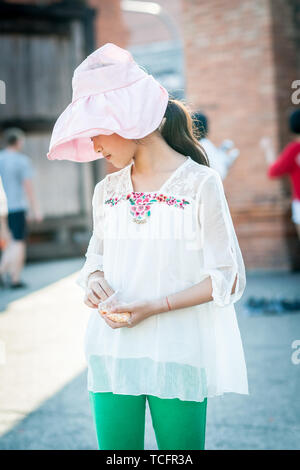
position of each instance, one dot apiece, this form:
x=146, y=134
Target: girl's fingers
x=90, y=304
x=111, y=323
x=109, y=291
x=121, y=309
x=99, y=293
x=97, y=290
x=102, y=289
x=93, y=298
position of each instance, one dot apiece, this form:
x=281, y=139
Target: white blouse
x=157, y=243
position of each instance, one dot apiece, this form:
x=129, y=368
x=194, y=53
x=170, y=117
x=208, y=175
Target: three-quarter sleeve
x=222, y=256
x=94, y=253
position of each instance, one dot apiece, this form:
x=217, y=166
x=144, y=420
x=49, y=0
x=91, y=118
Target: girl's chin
x=120, y=164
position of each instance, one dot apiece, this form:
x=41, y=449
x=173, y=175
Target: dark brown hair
x=180, y=132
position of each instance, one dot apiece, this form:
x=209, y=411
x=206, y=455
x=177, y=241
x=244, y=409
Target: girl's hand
x=139, y=311
x=97, y=291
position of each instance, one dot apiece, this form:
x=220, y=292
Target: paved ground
x=43, y=398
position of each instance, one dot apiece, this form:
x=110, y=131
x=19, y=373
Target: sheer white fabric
x=186, y=236
x=94, y=253
x=221, y=252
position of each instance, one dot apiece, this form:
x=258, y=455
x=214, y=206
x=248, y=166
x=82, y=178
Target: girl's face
x=120, y=150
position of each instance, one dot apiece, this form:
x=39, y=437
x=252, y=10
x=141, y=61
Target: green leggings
x=120, y=421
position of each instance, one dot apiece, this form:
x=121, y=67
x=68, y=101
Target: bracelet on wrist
x=169, y=307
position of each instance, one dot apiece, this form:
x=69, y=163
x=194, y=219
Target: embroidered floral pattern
x=140, y=203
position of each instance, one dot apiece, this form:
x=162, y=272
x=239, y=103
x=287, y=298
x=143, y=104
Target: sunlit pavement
x=43, y=396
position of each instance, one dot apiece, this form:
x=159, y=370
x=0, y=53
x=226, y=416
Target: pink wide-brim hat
x=111, y=94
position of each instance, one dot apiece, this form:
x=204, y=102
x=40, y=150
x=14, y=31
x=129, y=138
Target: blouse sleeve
x=94, y=253
x=221, y=252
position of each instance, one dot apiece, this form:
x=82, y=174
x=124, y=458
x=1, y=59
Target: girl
x=163, y=237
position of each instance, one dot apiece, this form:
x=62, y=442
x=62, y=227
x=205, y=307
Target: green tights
x=120, y=421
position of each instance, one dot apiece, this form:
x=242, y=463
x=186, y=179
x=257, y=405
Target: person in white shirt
x=220, y=158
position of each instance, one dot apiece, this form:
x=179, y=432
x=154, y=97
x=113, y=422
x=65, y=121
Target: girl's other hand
x=97, y=291
x=139, y=311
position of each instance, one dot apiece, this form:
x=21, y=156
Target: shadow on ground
x=62, y=422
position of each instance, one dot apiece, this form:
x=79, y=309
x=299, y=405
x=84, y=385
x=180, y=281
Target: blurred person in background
x=220, y=158
x=16, y=171
x=4, y=231
x=287, y=163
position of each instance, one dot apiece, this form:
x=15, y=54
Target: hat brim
x=131, y=112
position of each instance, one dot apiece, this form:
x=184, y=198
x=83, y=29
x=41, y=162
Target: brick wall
x=238, y=73
x=109, y=23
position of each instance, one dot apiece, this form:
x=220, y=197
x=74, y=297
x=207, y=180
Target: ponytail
x=179, y=132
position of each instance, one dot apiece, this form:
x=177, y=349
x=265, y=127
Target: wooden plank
x=46, y=44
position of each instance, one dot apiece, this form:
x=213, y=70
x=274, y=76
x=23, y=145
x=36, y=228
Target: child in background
x=288, y=163
x=220, y=158
x=4, y=231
